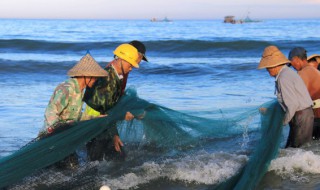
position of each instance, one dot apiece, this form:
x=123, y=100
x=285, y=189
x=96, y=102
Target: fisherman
x=142, y=56
x=66, y=102
x=292, y=95
x=110, y=90
x=314, y=61
x=311, y=78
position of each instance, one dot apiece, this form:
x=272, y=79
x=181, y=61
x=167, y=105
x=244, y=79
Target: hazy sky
x=146, y=9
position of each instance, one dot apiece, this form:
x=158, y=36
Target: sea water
x=201, y=67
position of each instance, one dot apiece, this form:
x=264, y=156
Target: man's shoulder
x=288, y=73
x=289, y=77
x=309, y=72
x=310, y=69
x=65, y=87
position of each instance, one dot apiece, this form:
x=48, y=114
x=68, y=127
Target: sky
x=147, y=9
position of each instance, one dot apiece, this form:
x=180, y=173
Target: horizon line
x=148, y=19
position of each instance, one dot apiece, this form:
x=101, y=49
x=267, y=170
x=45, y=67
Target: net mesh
x=271, y=129
x=161, y=127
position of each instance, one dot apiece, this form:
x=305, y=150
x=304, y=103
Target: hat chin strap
x=85, y=81
x=121, y=67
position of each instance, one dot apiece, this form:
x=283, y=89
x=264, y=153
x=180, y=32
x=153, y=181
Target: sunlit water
x=204, y=68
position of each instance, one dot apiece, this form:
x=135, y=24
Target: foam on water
x=204, y=168
x=194, y=72
x=200, y=168
x=295, y=164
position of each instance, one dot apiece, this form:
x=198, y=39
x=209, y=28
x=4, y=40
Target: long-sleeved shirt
x=102, y=96
x=105, y=92
x=292, y=93
x=65, y=103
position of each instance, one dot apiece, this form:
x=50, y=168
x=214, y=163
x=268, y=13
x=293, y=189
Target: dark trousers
x=316, y=129
x=98, y=148
x=103, y=149
x=301, y=128
x=69, y=162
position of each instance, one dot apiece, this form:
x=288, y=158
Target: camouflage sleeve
x=58, y=102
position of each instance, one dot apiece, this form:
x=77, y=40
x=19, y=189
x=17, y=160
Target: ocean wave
x=25, y=45
x=176, y=67
x=294, y=164
x=30, y=66
x=196, y=69
x=204, y=168
x=171, y=48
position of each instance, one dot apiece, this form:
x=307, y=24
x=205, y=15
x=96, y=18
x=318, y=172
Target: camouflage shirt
x=105, y=92
x=65, y=103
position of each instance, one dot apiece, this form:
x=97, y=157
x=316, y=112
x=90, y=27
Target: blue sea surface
x=204, y=68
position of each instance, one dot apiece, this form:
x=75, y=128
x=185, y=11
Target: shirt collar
x=120, y=77
x=284, y=66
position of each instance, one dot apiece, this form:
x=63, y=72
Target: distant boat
x=160, y=20
x=232, y=20
x=248, y=19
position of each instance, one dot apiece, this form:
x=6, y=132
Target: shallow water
x=204, y=68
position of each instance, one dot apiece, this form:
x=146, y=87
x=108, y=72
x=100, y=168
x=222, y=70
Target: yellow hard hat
x=128, y=53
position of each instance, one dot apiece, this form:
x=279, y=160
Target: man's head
x=272, y=59
x=298, y=57
x=128, y=57
x=141, y=49
x=88, y=68
x=314, y=61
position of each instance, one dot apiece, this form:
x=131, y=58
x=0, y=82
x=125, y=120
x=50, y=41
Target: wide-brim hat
x=316, y=56
x=272, y=57
x=87, y=67
x=141, y=48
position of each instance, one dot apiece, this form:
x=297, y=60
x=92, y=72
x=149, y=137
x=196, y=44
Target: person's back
x=292, y=95
x=65, y=104
x=104, y=94
x=311, y=78
x=66, y=93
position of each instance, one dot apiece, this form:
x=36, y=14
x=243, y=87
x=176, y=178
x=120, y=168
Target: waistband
x=316, y=104
x=304, y=110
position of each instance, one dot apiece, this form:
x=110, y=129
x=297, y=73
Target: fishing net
x=163, y=128
x=271, y=130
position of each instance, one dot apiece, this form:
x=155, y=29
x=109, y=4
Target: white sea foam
x=294, y=164
x=204, y=168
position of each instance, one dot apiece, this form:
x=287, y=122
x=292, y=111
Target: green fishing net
x=267, y=148
x=164, y=128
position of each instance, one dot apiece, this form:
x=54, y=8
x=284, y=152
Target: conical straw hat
x=317, y=56
x=272, y=57
x=88, y=67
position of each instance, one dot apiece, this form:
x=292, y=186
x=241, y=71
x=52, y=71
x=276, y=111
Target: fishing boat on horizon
x=231, y=19
x=165, y=19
